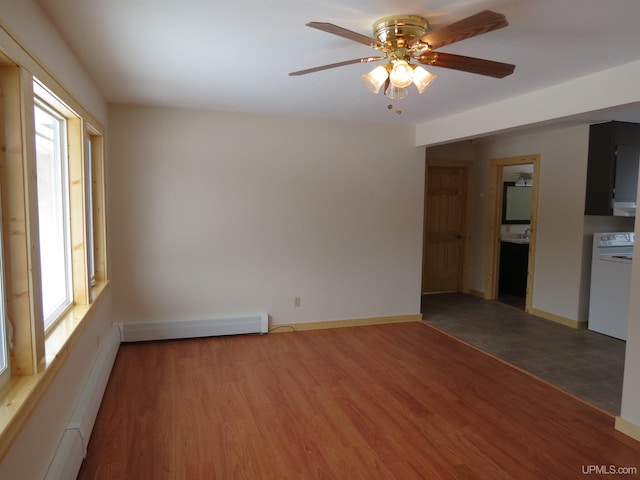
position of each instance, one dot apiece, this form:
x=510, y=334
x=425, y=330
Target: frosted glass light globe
x=401, y=75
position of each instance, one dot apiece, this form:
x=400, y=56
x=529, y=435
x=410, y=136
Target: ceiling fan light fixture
x=396, y=93
x=401, y=39
x=375, y=79
x=422, y=78
x=401, y=74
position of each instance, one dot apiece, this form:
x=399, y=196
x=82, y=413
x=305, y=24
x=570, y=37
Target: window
x=53, y=212
x=90, y=230
x=94, y=177
x=53, y=263
x=5, y=372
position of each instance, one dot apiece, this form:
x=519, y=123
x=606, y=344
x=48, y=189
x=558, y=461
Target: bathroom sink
x=513, y=238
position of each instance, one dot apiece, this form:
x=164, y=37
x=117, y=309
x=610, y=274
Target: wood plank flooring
x=403, y=401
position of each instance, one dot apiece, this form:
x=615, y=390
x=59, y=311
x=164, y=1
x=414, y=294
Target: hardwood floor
x=403, y=401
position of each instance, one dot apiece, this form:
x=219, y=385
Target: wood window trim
x=21, y=248
x=39, y=357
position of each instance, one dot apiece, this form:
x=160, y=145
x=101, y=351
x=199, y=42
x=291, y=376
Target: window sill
x=22, y=393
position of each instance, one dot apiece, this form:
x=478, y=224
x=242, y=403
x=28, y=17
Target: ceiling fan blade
x=467, y=64
x=349, y=34
x=334, y=65
x=482, y=22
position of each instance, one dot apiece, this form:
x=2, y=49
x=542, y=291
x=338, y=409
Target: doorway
x=445, y=220
x=511, y=262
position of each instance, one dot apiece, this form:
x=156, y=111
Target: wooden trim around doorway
x=495, y=221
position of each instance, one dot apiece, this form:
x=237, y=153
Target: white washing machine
x=610, y=283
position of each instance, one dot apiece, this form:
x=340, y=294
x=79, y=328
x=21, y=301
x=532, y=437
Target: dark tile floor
x=587, y=364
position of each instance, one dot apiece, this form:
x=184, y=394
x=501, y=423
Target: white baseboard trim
x=169, y=330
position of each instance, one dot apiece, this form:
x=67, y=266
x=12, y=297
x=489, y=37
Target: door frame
x=495, y=222
x=466, y=164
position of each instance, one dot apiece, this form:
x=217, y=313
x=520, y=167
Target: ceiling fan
x=403, y=38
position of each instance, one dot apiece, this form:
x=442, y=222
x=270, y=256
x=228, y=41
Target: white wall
x=30, y=25
x=216, y=214
x=630, y=410
x=561, y=193
x=32, y=450
x=563, y=243
x=563, y=236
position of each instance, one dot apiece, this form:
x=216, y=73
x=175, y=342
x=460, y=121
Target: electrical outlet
x=296, y=301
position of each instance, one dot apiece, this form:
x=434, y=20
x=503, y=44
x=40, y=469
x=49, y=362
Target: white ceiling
x=236, y=55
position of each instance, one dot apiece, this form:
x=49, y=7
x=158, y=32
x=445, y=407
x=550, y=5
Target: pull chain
x=398, y=111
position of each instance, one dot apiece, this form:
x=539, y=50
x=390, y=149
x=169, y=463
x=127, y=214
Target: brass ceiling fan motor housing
x=399, y=31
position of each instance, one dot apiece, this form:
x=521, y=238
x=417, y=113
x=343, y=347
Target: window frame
x=5, y=359
x=52, y=317
x=36, y=356
x=5, y=328
x=89, y=167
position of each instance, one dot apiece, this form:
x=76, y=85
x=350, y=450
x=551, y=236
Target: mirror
x=516, y=204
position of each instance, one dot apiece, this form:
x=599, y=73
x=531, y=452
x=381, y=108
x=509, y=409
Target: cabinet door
x=600, y=169
x=627, y=161
x=612, y=170
x=514, y=264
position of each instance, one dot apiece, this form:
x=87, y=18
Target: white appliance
x=610, y=283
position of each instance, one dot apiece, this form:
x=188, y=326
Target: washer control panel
x=616, y=239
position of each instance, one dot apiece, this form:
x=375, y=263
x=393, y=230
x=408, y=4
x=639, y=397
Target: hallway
x=587, y=364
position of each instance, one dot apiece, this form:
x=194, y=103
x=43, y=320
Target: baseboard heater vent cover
x=72, y=447
x=146, y=331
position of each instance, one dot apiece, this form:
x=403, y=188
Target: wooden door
x=444, y=220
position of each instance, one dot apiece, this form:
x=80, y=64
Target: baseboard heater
x=72, y=447
x=146, y=331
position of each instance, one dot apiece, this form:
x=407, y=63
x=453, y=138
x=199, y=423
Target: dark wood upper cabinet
x=612, y=171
